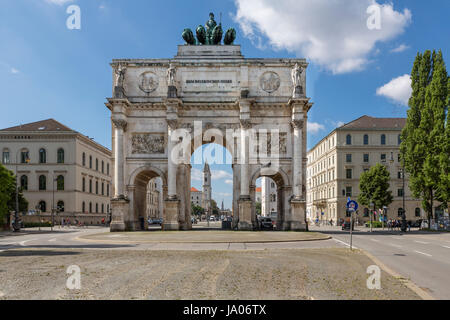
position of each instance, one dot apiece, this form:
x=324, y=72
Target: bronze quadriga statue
x=211, y=34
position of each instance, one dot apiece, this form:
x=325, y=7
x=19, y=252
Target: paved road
x=420, y=256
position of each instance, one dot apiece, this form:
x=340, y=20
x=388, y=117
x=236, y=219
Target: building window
x=90, y=185
x=399, y=175
x=383, y=139
x=383, y=157
x=107, y=190
x=107, y=208
x=83, y=184
x=60, y=206
x=366, y=157
x=400, y=212
x=366, y=139
x=400, y=192
x=348, y=139
x=24, y=156
x=24, y=182
x=96, y=164
x=103, y=166
x=103, y=208
x=107, y=169
x=348, y=173
x=42, y=156
x=5, y=157
x=417, y=212
x=60, y=155
x=90, y=207
x=60, y=183
x=83, y=159
x=42, y=183
x=42, y=206
x=103, y=189
x=96, y=208
x=96, y=187
x=83, y=207
x=90, y=162
x=399, y=139
x=348, y=157
x=348, y=191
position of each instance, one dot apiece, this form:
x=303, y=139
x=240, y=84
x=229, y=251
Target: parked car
x=266, y=223
x=416, y=224
x=155, y=221
x=212, y=218
x=346, y=226
x=194, y=220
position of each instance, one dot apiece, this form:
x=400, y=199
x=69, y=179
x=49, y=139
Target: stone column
x=119, y=204
x=297, y=159
x=120, y=126
x=245, y=203
x=171, y=164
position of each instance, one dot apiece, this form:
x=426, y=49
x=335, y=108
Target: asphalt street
x=421, y=257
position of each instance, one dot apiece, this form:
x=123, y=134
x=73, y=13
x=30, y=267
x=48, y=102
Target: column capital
x=120, y=123
x=246, y=123
x=172, y=123
x=297, y=123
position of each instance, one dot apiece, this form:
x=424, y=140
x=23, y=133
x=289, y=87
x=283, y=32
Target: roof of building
x=39, y=126
x=194, y=190
x=258, y=189
x=366, y=122
x=51, y=126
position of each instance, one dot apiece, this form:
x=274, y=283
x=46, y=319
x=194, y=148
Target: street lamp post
x=403, y=202
x=16, y=225
x=53, y=204
x=372, y=207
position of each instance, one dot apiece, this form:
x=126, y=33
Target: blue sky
x=49, y=71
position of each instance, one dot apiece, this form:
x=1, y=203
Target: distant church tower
x=206, y=190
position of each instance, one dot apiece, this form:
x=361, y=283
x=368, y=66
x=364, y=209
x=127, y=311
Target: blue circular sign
x=352, y=205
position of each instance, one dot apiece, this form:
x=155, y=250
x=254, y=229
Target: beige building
x=196, y=197
x=337, y=161
x=268, y=197
x=154, y=199
x=61, y=168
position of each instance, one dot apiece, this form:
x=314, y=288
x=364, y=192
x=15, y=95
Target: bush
x=36, y=224
x=375, y=224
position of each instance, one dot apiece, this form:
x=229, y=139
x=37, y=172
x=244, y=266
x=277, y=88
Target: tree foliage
x=196, y=210
x=424, y=147
x=374, y=187
x=8, y=194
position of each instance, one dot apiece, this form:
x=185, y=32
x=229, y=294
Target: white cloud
x=222, y=194
x=14, y=71
x=314, y=127
x=196, y=174
x=397, y=90
x=220, y=174
x=59, y=2
x=229, y=181
x=400, y=48
x=333, y=34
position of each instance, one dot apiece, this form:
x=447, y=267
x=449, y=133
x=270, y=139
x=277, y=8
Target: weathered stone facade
x=252, y=107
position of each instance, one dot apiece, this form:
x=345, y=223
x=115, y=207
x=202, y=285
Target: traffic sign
x=352, y=205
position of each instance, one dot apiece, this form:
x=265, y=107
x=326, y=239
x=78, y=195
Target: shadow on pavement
x=28, y=253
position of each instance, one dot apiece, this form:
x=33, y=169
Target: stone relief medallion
x=147, y=143
x=148, y=82
x=270, y=81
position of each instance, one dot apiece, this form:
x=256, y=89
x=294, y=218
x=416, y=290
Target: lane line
x=426, y=254
x=344, y=243
x=23, y=242
x=446, y=247
x=395, y=245
x=421, y=242
x=375, y=240
x=52, y=240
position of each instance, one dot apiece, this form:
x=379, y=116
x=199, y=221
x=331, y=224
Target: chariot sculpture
x=210, y=34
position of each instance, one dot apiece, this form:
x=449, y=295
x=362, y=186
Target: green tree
x=258, y=208
x=7, y=188
x=196, y=210
x=423, y=136
x=374, y=187
x=214, y=207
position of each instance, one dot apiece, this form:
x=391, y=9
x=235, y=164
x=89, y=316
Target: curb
x=198, y=242
x=411, y=285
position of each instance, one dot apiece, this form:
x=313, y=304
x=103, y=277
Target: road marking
x=421, y=242
x=52, y=240
x=398, y=238
x=426, y=254
x=394, y=245
x=23, y=242
x=446, y=247
x=344, y=243
x=375, y=240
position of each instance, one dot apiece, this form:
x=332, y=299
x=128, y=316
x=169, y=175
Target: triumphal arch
x=164, y=109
